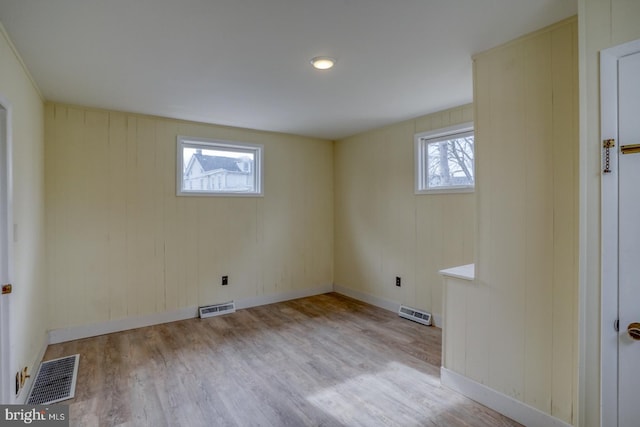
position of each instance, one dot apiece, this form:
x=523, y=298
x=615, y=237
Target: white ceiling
x=246, y=62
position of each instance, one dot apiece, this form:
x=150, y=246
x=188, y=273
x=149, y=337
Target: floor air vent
x=415, y=315
x=217, y=309
x=55, y=381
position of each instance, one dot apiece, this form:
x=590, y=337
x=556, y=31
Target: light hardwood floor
x=326, y=360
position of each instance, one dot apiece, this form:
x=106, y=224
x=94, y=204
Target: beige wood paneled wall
x=384, y=230
x=120, y=243
x=522, y=338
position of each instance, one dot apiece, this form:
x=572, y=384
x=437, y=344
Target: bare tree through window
x=451, y=162
x=445, y=162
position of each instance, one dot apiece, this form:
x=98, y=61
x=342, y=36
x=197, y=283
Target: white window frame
x=208, y=144
x=421, y=143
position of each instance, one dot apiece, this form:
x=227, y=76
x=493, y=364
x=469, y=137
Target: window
x=445, y=160
x=208, y=167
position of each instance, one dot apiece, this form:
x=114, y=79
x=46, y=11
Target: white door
x=620, y=233
x=629, y=240
x=5, y=255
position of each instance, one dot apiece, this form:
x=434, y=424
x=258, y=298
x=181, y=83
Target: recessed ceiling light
x=323, y=62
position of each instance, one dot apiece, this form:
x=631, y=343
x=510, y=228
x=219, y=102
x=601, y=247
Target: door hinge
x=6, y=289
x=616, y=325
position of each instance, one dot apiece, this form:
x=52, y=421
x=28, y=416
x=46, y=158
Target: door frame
x=609, y=232
x=6, y=251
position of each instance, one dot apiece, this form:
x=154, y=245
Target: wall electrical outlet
x=398, y=281
x=225, y=280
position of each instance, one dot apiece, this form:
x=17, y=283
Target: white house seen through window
x=445, y=160
x=210, y=167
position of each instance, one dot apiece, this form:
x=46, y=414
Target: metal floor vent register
x=55, y=381
x=415, y=315
x=217, y=309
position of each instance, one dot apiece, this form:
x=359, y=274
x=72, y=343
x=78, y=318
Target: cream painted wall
x=384, y=230
x=121, y=244
x=603, y=24
x=526, y=111
x=29, y=299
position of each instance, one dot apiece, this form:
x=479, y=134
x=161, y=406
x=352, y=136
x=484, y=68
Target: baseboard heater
x=415, y=315
x=217, y=309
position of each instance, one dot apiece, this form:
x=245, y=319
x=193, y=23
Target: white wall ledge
x=465, y=272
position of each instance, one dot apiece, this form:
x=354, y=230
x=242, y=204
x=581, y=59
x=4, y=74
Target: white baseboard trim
x=368, y=298
x=93, y=330
x=379, y=302
x=283, y=296
x=506, y=405
x=111, y=326
x=437, y=321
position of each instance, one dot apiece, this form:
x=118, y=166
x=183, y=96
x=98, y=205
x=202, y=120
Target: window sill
x=205, y=194
x=446, y=190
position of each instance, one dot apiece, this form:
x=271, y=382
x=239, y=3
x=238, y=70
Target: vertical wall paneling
x=123, y=245
x=383, y=230
x=565, y=243
x=526, y=113
x=117, y=208
x=94, y=210
x=538, y=223
x=479, y=301
x=502, y=187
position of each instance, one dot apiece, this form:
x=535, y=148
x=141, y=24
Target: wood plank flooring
x=326, y=360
